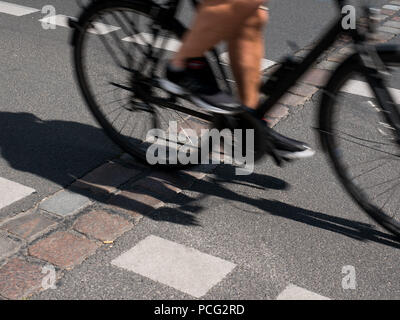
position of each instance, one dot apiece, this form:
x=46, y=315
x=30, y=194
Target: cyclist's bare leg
x=239, y=22
x=246, y=52
x=216, y=21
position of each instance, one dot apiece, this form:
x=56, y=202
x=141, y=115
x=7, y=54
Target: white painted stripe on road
x=363, y=89
x=11, y=192
x=57, y=20
x=62, y=21
x=173, y=45
x=144, y=38
x=293, y=292
x=265, y=63
x=15, y=9
x=391, y=7
x=180, y=267
x=102, y=29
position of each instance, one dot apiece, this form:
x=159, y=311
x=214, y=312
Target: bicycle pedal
x=278, y=160
x=271, y=151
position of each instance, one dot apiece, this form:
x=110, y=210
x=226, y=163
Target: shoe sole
x=177, y=90
x=296, y=155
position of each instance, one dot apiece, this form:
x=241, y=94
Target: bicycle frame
x=290, y=71
x=372, y=61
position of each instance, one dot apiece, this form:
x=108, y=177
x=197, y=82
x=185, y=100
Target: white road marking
x=173, y=45
x=15, y=9
x=143, y=38
x=62, y=21
x=293, y=292
x=361, y=88
x=391, y=7
x=265, y=63
x=11, y=192
x=175, y=265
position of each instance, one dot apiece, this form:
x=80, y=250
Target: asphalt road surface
x=278, y=227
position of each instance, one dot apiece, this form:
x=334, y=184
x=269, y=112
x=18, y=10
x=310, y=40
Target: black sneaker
x=287, y=148
x=198, y=82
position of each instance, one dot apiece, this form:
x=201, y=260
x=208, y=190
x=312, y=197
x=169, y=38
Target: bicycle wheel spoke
x=119, y=43
x=360, y=164
x=366, y=140
x=126, y=121
x=368, y=147
x=126, y=31
x=118, y=73
x=381, y=183
x=114, y=101
x=364, y=173
x=112, y=53
x=115, y=119
x=386, y=190
x=390, y=196
x=364, y=150
x=136, y=32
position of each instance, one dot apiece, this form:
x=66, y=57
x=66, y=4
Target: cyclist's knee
x=246, y=5
x=258, y=16
x=259, y=19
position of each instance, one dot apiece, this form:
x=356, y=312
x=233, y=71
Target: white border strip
x=293, y=292
x=144, y=38
x=15, y=9
x=62, y=21
x=11, y=192
x=363, y=89
x=265, y=63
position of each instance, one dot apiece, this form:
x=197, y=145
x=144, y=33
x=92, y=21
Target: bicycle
x=151, y=30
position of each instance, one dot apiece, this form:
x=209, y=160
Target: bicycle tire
x=330, y=142
x=85, y=22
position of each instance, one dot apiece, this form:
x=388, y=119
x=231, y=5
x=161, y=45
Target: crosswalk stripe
x=61, y=20
x=363, y=89
x=173, y=45
x=391, y=7
x=15, y=9
x=265, y=63
x=11, y=192
x=144, y=38
x=180, y=267
x=292, y=292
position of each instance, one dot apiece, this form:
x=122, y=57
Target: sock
x=194, y=63
x=174, y=68
x=253, y=112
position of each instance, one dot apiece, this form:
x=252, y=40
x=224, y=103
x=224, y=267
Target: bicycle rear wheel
x=120, y=50
x=361, y=144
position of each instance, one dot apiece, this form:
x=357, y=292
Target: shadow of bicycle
x=61, y=151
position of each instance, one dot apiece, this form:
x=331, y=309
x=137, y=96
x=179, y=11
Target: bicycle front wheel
x=361, y=145
x=120, y=50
